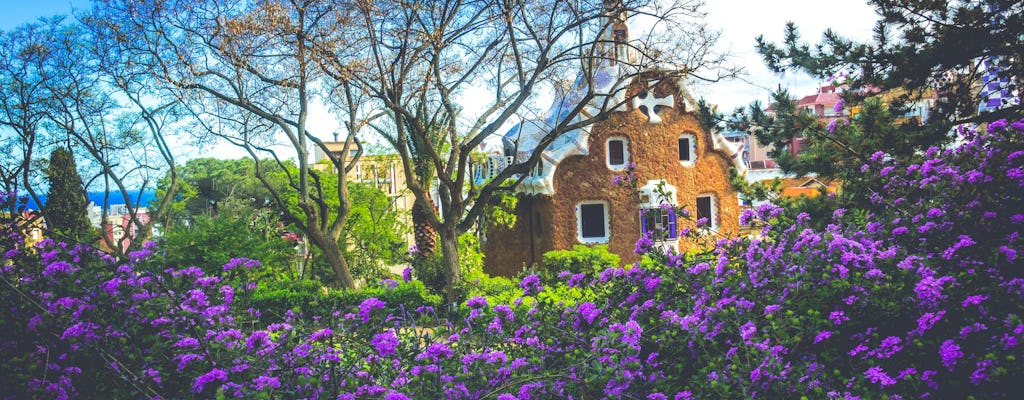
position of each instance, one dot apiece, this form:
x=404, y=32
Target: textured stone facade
x=547, y=223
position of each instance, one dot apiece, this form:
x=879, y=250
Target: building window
x=687, y=148
x=659, y=222
x=592, y=222
x=706, y=208
x=617, y=149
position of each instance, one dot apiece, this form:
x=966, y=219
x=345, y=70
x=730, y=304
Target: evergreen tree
x=950, y=55
x=66, y=209
x=948, y=48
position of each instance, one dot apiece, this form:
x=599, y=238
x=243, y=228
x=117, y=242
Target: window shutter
x=684, y=149
x=592, y=220
x=643, y=221
x=704, y=209
x=616, y=155
x=673, y=230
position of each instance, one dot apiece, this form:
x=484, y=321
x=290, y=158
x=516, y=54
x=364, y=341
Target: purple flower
x=651, y=283
x=367, y=307
x=435, y=351
x=831, y=128
x=631, y=332
x=59, y=267
x=748, y=330
x=241, y=262
x=963, y=241
x=950, y=353
x=588, y=311
x=838, y=317
x=385, y=343
x=201, y=381
x=889, y=347
x=929, y=288
x=877, y=375
x=321, y=334
x=187, y=343
x=506, y=396
x=477, y=302
x=822, y=336
x=396, y=396
x=980, y=374
x=505, y=312
x=407, y=274
x=531, y=285
x=257, y=340
x=927, y=321
x=974, y=300
x=263, y=382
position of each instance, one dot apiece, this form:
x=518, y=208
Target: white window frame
x=713, y=219
x=693, y=149
x=608, y=154
x=579, y=223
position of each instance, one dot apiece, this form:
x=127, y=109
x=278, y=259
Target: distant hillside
x=137, y=197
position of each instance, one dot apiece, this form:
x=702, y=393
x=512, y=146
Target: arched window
x=687, y=149
x=592, y=224
x=617, y=152
x=707, y=207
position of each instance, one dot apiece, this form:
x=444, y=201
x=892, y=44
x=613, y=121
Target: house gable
x=652, y=151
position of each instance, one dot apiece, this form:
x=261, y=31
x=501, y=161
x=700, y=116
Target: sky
x=740, y=22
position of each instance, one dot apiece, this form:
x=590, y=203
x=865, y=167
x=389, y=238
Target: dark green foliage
x=707, y=115
x=66, y=209
x=312, y=298
x=238, y=230
x=588, y=259
x=919, y=45
x=207, y=182
x=372, y=237
x=921, y=50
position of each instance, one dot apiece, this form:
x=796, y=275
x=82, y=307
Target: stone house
x=607, y=183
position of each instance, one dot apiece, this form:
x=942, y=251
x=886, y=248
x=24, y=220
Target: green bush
x=311, y=298
x=580, y=259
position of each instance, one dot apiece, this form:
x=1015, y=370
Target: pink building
x=121, y=229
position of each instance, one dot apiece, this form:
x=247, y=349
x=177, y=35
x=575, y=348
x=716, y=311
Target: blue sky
x=739, y=20
x=17, y=12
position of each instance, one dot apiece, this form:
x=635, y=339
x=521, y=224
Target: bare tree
x=66, y=91
x=251, y=62
x=23, y=53
x=420, y=60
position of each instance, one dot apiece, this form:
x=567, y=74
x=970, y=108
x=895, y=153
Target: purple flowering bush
x=919, y=295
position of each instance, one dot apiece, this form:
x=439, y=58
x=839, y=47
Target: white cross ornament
x=651, y=106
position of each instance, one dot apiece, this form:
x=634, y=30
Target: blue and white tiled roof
x=523, y=139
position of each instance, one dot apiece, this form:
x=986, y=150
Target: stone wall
x=654, y=150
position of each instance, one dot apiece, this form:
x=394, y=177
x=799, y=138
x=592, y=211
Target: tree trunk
x=424, y=235
x=338, y=264
x=452, y=270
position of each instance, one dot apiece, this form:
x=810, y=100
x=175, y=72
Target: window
x=687, y=148
x=592, y=219
x=706, y=209
x=660, y=222
x=617, y=149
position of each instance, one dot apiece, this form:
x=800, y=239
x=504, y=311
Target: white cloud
x=741, y=21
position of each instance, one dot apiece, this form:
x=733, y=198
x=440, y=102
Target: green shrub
x=311, y=298
x=581, y=258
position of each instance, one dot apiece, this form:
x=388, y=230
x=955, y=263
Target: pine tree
x=962, y=54
x=66, y=209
